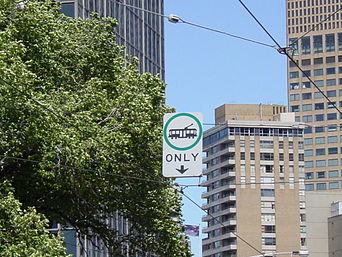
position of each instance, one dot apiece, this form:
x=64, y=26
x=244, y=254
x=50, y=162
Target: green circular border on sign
x=176, y=116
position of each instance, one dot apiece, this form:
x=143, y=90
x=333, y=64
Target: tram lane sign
x=182, y=145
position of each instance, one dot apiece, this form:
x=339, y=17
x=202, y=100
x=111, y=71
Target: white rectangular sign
x=182, y=145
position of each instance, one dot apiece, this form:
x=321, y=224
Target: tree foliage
x=88, y=122
x=23, y=232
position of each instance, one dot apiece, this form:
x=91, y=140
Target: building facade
x=142, y=33
x=319, y=53
x=255, y=183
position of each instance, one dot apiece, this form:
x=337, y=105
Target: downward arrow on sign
x=182, y=170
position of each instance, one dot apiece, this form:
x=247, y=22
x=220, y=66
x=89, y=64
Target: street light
x=293, y=253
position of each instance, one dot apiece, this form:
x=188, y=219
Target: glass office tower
x=141, y=33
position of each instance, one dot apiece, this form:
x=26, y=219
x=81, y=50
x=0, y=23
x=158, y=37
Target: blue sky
x=205, y=70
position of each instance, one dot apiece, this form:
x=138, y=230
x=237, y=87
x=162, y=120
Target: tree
x=23, y=232
x=81, y=129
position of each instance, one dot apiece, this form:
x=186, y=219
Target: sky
x=205, y=69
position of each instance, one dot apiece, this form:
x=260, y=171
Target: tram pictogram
x=183, y=133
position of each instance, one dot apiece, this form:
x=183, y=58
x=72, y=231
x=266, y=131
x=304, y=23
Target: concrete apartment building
x=255, y=182
x=319, y=53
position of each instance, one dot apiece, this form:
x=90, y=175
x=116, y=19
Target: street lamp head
x=173, y=18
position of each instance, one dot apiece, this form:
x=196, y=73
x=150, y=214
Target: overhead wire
x=200, y=184
x=175, y=19
x=83, y=169
x=284, y=50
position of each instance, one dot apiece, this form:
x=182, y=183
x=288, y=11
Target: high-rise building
x=255, y=182
x=314, y=31
x=141, y=32
x=318, y=50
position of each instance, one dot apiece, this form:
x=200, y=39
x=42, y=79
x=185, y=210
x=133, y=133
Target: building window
x=294, y=45
x=331, y=71
x=333, y=174
x=307, y=130
x=320, y=140
x=269, y=241
x=320, y=151
x=318, y=44
x=308, y=164
x=319, y=83
x=268, y=229
x=294, y=86
x=68, y=9
x=306, y=73
x=294, y=74
x=319, y=129
x=308, y=141
x=330, y=59
x=306, y=62
x=332, y=139
x=317, y=95
x=307, y=107
x=331, y=82
x=267, y=192
x=331, y=116
x=266, y=144
x=331, y=105
x=321, y=186
x=309, y=187
x=320, y=163
x=295, y=108
x=320, y=174
x=308, y=152
x=334, y=185
x=339, y=41
x=242, y=156
x=332, y=162
x=294, y=97
x=319, y=106
x=302, y=217
x=306, y=45
x=306, y=84
x=302, y=229
x=307, y=118
x=309, y=175
x=306, y=96
x=332, y=128
x=290, y=156
x=320, y=60
x=331, y=93
x=332, y=150
x=318, y=72
x=319, y=117
x=330, y=42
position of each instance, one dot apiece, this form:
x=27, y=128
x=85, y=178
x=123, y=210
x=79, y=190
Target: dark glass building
x=141, y=32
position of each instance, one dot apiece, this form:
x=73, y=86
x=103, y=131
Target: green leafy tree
x=79, y=125
x=23, y=232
